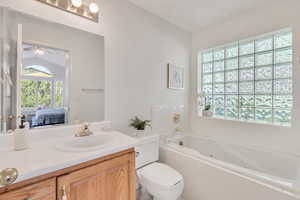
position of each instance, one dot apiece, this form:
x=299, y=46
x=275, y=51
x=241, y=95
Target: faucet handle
x=84, y=131
x=85, y=126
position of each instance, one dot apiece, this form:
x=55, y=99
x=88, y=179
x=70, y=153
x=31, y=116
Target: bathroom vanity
x=48, y=172
x=111, y=177
x=45, y=63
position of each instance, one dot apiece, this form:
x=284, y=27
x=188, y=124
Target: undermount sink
x=88, y=143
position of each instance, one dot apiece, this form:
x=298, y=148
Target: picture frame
x=175, y=77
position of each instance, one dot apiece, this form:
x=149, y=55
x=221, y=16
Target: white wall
x=256, y=22
x=138, y=46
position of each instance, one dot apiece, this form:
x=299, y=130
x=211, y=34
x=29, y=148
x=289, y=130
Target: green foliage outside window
x=28, y=93
x=35, y=93
x=44, y=93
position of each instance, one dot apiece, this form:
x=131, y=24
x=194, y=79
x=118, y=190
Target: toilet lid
x=161, y=174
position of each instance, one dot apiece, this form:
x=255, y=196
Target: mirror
x=44, y=85
x=51, y=73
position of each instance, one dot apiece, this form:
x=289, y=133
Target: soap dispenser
x=20, y=140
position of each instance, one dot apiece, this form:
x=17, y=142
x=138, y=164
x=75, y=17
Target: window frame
x=254, y=53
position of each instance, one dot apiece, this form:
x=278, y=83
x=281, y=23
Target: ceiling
x=193, y=15
x=54, y=56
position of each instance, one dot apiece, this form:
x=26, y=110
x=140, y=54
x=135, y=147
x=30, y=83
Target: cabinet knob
x=28, y=198
x=8, y=176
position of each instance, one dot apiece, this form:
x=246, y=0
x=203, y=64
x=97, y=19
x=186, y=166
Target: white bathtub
x=218, y=171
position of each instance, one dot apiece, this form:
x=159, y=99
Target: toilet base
x=180, y=198
x=142, y=194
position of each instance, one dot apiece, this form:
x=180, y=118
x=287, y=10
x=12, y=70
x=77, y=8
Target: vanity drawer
x=45, y=190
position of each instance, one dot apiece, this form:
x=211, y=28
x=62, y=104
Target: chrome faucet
x=84, y=131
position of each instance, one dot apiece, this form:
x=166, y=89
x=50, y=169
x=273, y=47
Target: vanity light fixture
x=94, y=8
x=76, y=3
x=88, y=9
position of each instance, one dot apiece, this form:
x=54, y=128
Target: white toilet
x=160, y=180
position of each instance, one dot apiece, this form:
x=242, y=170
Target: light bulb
x=76, y=3
x=94, y=8
x=39, y=51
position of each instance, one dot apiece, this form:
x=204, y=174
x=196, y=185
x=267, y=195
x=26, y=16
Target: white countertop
x=43, y=157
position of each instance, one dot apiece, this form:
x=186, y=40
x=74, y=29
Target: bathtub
x=215, y=170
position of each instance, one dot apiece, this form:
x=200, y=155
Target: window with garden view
x=40, y=89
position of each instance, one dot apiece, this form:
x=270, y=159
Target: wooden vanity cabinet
x=45, y=190
x=111, y=179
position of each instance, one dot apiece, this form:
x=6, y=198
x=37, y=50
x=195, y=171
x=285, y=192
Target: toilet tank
x=147, y=150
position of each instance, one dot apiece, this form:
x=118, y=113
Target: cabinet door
x=117, y=181
x=111, y=180
x=84, y=184
x=45, y=190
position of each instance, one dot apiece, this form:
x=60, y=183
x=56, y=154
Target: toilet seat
x=161, y=175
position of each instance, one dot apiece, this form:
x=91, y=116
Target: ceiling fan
x=38, y=50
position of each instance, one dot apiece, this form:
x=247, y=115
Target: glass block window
x=250, y=80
